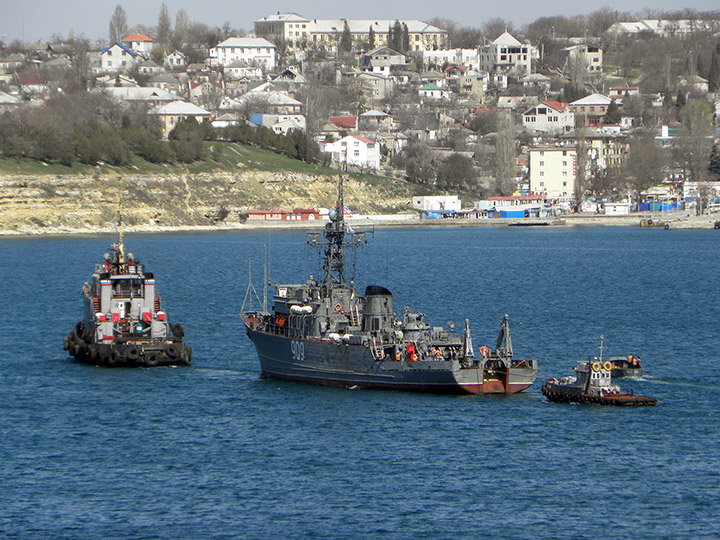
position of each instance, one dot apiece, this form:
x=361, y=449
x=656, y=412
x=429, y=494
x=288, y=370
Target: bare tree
x=644, y=165
x=182, y=24
x=118, y=24
x=164, y=27
x=581, y=185
x=504, y=165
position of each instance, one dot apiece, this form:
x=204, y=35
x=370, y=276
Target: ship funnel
x=378, y=309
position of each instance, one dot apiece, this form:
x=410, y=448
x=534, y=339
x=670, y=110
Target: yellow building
x=298, y=32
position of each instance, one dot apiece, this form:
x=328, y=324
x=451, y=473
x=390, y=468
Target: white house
x=117, y=58
x=240, y=70
x=175, y=61
x=549, y=117
x=436, y=202
x=506, y=55
x=355, y=150
x=255, y=51
x=460, y=57
x=432, y=92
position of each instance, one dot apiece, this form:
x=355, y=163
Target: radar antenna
x=333, y=245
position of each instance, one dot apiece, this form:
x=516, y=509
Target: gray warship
x=124, y=323
x=324, y=332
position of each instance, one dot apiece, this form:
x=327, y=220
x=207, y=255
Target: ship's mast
x=334, y=245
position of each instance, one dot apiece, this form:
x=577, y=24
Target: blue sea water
x=213, y=451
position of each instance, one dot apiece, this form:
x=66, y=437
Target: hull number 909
x=298, y=351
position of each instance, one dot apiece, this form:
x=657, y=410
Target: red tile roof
x=343, y=121
x=137, y=37
x=559, y=105
x=363, y=139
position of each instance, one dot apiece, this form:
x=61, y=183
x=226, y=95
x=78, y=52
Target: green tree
x=395, y=36
x=714, y=161
x=714, y=74
x=345, y=45
x=612, y=115
x=404, y=39
x=371, y=37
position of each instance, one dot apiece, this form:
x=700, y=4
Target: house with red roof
x=552, y=117
x=355, y=151
x=140, y=43
x=345, y=123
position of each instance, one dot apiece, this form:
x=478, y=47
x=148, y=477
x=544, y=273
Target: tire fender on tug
x=152, y=359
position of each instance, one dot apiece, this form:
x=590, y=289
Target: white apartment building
x=552, y=171
x=253, y=51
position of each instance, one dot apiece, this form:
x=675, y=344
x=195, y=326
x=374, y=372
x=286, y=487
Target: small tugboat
x=324, y=332
x=592, y=384
x=124, y=323
x=626, y=366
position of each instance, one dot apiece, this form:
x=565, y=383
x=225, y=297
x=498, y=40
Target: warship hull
x=326, y=362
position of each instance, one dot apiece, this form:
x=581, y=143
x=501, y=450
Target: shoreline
x=675, y=222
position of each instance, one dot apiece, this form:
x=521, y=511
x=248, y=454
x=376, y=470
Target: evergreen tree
x=680, y=100
x=405, y=39
x=612, y=116
x=371, y=37
x=714, y=74
x=714, y=161
x=395, y=36
x=345, y=45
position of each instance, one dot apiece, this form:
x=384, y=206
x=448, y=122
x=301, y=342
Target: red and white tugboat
x=124, y=323
x=592, y=384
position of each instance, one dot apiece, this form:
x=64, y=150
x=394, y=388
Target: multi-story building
x=297, y=32
x=553, y=171
x=506, y=55
x=253, y=51
x=586, y=55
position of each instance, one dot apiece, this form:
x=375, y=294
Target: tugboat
x=324, y=332
x=592, y=384
x=124, y=323
x=626, y=366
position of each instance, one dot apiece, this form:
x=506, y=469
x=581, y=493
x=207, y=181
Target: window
x=564, y=152
x=564, y=163
x=356, y=153
x=564, y=173
x=542, y=173
x=542, y=163
x=542, y=152
x=564, y=184
x=542, y=184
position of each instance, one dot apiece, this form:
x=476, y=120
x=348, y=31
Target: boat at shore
x=592, y=384
x=325, y=332
x=124, y=323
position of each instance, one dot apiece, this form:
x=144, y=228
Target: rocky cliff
x=64, y=204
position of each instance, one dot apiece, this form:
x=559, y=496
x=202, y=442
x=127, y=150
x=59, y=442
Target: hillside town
x=597, y=115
